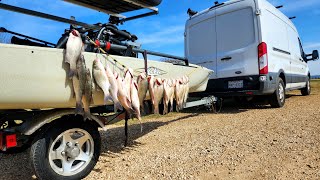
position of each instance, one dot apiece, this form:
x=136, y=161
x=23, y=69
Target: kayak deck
x=36, y=77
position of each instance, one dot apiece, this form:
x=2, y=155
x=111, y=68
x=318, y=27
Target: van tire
x=278, y=98
x=306, y=90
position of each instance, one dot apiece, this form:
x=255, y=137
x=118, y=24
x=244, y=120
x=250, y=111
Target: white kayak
x=36, y=77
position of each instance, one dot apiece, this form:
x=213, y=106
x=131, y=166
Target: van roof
x=262, y=3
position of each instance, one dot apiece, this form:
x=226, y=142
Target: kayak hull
x=36, y=77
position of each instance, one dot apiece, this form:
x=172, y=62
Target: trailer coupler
x=7, y=141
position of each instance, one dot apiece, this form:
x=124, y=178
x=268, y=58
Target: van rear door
x=201, y=41
x=237, y=39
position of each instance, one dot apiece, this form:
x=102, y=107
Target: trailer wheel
x=278, y=98
x=68, y=150
x=306, y=90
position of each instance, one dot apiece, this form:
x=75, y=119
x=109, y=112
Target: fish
x=74, y=49
x=151, y=88
x=178, y=93
x=168, y=94
x=135, y=101
x=186, y=89
x=172, y=95
x=122, y=96
x=80, y=83
x=113, y=90
x=87, y=96
x=142, y=89
x=128, y=76
x=78, y=94
x=158, y=94
x=101, y=79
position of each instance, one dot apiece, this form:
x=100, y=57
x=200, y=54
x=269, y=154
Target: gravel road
x=242, y=142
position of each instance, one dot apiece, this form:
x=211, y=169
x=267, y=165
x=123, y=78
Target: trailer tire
x=67, y=150
x=278, y=98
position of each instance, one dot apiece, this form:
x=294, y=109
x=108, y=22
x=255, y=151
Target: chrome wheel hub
x=71, y=152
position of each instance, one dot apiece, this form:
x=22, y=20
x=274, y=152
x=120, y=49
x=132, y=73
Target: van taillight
x=263, y=58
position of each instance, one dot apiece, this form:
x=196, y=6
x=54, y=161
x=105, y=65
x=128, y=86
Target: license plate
x=235, y=84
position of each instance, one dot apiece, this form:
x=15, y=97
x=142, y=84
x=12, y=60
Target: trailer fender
x=31, y=126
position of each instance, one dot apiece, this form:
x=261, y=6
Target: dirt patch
x=242, y=142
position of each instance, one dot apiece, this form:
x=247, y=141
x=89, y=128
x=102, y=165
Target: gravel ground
x=242, y=142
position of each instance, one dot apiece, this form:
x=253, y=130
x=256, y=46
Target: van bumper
x=252, y=86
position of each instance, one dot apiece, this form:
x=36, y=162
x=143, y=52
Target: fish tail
x=79, y=109
x=107, y=98
x=117, y=106
x=87, y=115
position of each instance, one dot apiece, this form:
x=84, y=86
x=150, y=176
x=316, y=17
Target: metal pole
x=22, y=35
x=46, y=16
x=119, y=47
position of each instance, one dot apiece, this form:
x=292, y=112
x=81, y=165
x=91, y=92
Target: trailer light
x=249, y=93
x=11, y=141
x=263, y=58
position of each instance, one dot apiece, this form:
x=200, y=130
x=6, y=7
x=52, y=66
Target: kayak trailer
x=36, y=98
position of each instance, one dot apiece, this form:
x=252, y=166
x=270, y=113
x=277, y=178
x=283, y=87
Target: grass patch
x=315, y=84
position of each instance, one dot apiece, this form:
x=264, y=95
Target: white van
x=253, y=48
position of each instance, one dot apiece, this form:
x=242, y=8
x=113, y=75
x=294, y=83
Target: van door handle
x=226, y=58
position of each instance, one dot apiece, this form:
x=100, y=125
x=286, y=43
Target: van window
x=235, y=29
x=301, y=50
x=202, y=38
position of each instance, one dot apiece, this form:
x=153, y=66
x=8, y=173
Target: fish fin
x=72, y=73
x=117, y=106
x=107, y=98
x=79, y=109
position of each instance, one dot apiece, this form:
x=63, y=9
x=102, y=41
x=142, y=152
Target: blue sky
x=163, y=32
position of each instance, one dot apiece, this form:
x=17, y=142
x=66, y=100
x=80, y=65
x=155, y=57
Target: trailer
x=36, y=98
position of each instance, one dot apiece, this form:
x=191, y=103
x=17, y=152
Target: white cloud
x=169, y=35
x=311, y=46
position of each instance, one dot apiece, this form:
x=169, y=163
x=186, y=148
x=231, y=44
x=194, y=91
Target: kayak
x=37, y=77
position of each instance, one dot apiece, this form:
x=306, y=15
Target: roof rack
x=111, y=7
x=115, y=8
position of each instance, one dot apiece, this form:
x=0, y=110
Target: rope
x=104, y=52
x=124, y=66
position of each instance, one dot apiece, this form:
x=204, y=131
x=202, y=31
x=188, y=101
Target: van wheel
x=278, y=98
x=306, y=90
x=66, y=151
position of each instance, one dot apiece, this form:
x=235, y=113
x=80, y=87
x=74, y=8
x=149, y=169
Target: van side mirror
x=314, y=55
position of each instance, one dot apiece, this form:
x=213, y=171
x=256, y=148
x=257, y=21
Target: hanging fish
x=142, y=89
x=158, y=94
x=74, y=48
x=168, y=95
x=113, y=90
x=87, y=97
x=122, y=96
x=135, y=101
x=100, y=77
